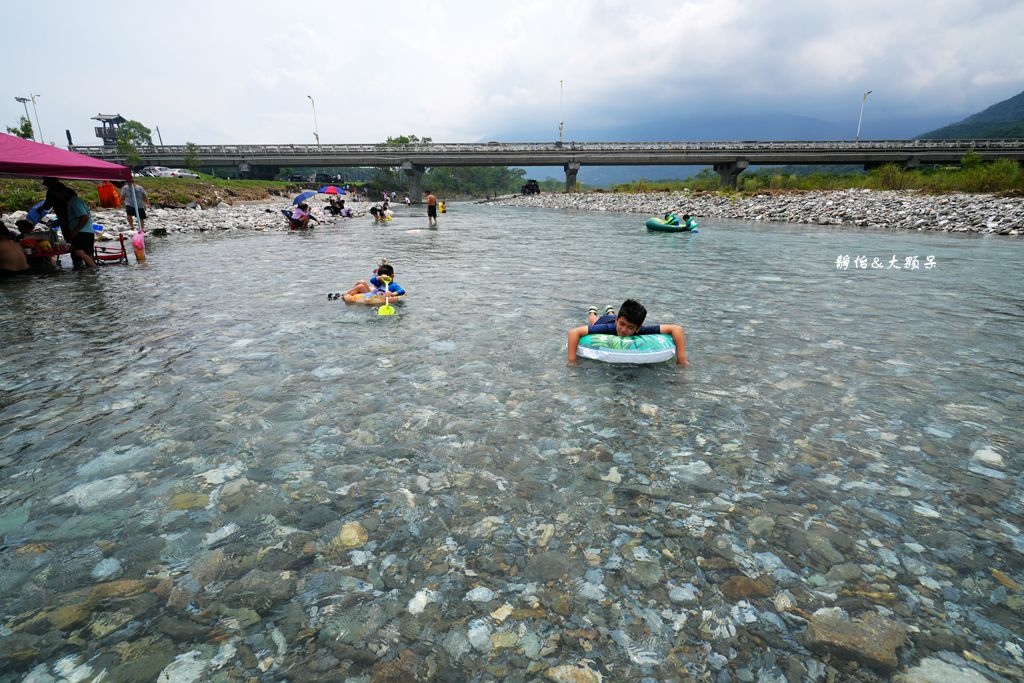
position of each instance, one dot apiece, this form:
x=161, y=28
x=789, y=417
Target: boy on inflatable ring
x=627, y=323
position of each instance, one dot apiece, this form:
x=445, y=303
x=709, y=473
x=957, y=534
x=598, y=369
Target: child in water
x=628, y=322
x=376, y=286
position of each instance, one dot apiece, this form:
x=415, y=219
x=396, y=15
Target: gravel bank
x=224, y=217
x=885, y=210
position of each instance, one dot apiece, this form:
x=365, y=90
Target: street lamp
x=859, y=120
x=24, y=102
x=37, y=116
x=316, y=128
x=561, y=110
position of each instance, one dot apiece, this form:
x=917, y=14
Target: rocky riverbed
x=222, y=217
x=884, y=210
x=233, y=488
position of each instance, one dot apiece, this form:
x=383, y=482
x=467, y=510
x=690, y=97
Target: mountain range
x=1003, y=120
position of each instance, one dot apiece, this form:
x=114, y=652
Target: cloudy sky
x=222, y=71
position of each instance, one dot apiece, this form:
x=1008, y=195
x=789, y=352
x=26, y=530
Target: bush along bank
x=19, y=194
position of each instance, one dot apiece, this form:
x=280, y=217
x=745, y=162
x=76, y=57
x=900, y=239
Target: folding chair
x=108, y=254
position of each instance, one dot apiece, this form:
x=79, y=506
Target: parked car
x=154, y=171
x=182, y=173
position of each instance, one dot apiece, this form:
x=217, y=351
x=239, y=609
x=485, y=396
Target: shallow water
x=226, y=472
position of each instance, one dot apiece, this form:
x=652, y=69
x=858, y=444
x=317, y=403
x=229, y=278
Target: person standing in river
x=135, y=200
x=431, y=209
x=57, y=199
x=78, y=232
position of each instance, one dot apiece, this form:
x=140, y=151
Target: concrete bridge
x=728, y=159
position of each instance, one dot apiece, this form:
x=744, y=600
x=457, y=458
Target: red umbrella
x=24, y=157
x=330, y=189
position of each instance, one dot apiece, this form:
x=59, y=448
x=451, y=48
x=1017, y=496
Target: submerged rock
x=932, y=670
x=872, y=640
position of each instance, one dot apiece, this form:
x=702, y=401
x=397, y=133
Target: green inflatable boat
x=658, y=224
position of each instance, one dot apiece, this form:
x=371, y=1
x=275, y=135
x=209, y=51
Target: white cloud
x=213, y=72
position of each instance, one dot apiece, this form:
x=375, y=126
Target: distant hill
x=1000, y=121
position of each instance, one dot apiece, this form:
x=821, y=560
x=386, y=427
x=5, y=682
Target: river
x=213, y=472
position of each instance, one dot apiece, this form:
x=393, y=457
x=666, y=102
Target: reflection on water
x=210, y=470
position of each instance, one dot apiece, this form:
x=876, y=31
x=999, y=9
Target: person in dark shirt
x=628, y=322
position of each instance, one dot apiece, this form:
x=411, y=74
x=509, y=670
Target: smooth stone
x=738, y=588
x=69, y=617
x=531, y=645
x=504, y=640
x=547, y=566
x=988, y=457
x=761, y=526
x=932, y=670
x=480, y=635
x=456, y=644
x=872, y=640
x=568, y=673
x=480, y=594
x=685, y=594
x=106, y=569
x=189, y=501
x=352, y=535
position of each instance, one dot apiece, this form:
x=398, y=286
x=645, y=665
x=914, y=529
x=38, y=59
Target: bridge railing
x=236, y=152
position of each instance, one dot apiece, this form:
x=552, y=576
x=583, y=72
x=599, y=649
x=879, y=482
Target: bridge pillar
x=729, y=171
x=414, y=172
x=571, y=169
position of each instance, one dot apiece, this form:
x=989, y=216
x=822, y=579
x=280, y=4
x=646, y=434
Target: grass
x=20, y=194
x=1003, y=176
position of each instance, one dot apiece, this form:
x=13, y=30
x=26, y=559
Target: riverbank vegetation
x=972, y=175
x=21, y=193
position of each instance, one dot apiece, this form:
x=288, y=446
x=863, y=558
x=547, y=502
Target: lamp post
x=40, y=128
x=859, y=120
x=561, y=105
x=316, y=128
x=24, y=102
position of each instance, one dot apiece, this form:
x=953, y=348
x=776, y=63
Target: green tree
x=23, y=129
x=191, y=155
x=477, y=181
x=407, y=140
x=130, y=136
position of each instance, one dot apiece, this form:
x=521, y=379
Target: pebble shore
x=869, y=209
x=881, y=210
x=222, y=217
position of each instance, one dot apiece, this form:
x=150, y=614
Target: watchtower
x=109, y=125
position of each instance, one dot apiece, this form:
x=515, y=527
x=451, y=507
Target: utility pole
x=158, y=136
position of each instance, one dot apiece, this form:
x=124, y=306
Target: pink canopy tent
x=26, y=158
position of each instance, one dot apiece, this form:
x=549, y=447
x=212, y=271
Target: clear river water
x=212, y=472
